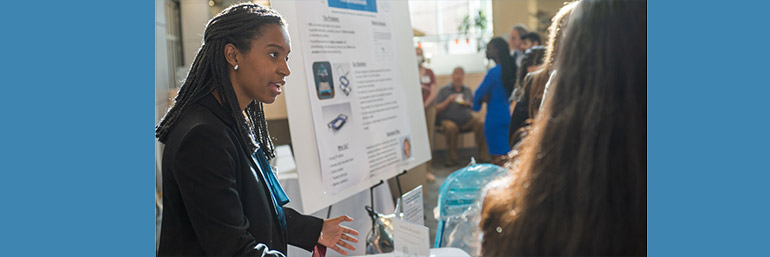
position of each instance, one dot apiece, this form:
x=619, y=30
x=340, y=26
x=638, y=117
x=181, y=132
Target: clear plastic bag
x=380, y=238
x=459, y=206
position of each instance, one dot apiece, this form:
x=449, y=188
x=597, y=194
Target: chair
x=460, y=142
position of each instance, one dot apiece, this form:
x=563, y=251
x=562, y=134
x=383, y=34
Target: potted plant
x=478, y=23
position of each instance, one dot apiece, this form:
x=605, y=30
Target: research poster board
x=353, y=96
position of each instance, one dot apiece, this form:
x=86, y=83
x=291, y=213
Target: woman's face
x=491, y=51
x=261, y=71
x=420, y=57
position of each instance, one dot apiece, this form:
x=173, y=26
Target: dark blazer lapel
x=210, y=102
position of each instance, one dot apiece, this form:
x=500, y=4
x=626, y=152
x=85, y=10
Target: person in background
x=540, y=77
x=220, y=196
x=428, y=83
x=532, y=61
x=494, y=91
x=580, y=185
x=529, y=40
x=454, y=115
x=516, y=48
x=529, y=96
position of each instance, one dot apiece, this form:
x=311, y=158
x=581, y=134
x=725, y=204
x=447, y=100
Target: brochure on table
x=353, y=98
x=410, y=239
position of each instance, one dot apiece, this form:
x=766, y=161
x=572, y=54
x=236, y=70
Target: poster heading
x=360, y=5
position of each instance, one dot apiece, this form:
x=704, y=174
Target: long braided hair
x=507, y=66
x=238, y=25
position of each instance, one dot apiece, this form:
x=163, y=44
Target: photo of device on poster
x=337, y=117
x=324, y=82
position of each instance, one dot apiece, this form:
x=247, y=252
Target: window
x=176, y=71
x=439, y=24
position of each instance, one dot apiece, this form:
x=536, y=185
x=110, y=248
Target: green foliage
x=479, y=22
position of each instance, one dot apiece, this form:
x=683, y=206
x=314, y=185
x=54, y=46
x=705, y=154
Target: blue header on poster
x=360, y=5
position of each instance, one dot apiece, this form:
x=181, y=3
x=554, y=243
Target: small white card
x=410, y=239
x=412, y=206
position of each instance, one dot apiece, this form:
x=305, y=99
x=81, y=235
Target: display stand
x=398, y=183
x=371, y=200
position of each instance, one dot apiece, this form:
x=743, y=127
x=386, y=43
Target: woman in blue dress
x=492, y=91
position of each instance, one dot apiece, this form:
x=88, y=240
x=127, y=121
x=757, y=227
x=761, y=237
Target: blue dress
x=498, y=111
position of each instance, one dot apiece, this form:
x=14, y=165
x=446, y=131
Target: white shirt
x=519, y=56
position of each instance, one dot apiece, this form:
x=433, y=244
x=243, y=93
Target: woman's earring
x=236, y=67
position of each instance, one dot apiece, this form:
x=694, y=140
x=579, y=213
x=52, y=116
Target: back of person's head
x=521, y=29
x=540, y=78
x=579, y=187
x=238, y=25
x=507, y=66
x=532, y=57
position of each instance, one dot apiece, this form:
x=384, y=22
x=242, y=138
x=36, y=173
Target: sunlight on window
x=452, y=28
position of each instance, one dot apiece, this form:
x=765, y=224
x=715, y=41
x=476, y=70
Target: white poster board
x=353, y=98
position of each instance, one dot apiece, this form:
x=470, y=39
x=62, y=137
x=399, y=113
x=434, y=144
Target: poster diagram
x=359, y=115
x=343, y=71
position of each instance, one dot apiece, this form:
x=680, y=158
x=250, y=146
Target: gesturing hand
x=333, y=233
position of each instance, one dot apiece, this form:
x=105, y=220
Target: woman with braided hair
x=220, y=195
x=494, y=91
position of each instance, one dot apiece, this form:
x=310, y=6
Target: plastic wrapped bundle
x=459, y=206
x=380, y=238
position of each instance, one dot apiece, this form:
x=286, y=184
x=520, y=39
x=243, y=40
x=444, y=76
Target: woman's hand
x=333, y=234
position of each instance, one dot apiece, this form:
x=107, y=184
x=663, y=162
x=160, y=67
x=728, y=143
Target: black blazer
x=215, y=202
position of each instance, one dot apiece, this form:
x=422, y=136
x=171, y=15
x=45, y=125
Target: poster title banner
x=360, y=5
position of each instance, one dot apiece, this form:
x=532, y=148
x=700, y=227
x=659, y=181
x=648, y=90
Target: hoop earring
x=236, y=67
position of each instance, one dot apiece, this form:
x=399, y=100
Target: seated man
x=454, y=114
